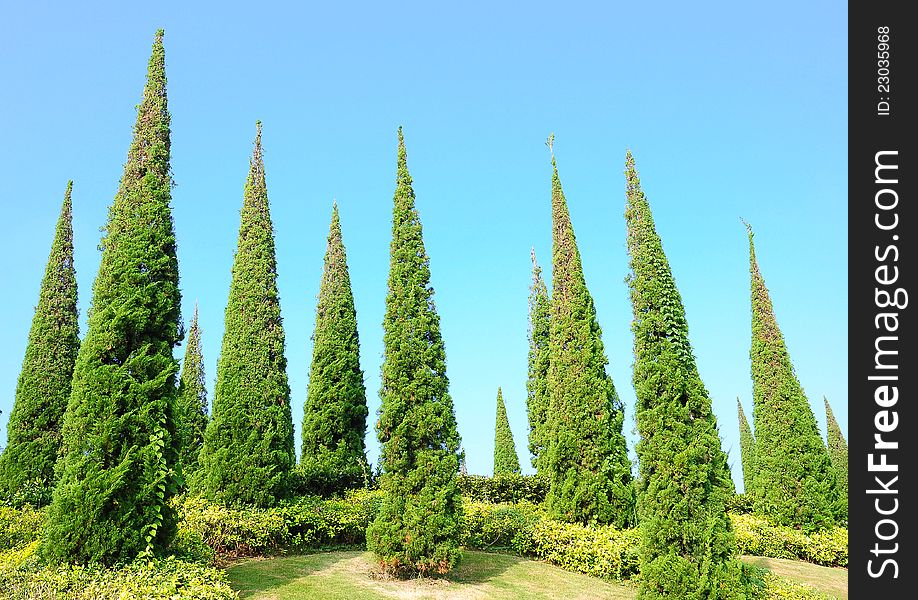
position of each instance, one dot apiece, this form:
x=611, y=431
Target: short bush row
x=22, y=578
x=757, y=537
x=523, y=528
x=19, y=526
x=309, y=522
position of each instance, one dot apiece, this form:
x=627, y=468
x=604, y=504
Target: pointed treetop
x=550, y=142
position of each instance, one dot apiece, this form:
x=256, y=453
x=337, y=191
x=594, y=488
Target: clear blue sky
x=731, y=109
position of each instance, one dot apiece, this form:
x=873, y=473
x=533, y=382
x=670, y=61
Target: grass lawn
x=828, y=580
x=353, y=574
x=346, y=575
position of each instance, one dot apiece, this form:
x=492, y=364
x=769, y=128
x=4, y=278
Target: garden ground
x=345, y=575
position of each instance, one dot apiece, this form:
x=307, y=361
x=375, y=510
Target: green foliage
x=417, y=528
x=504, y=526
x=601, y=551
x=687, y=546
x=539, y=353
x=838, y=454
x=505, y=458
x=794, y=482
x=191, y=407
x=34, y=428
x=328, y=477
x=335, y=414
x=509, y=487
x=19, y=526
x=587, y=465
x=120, y=449
x=740, y=504
x=165, y=578
x=757, y=537
x=747, y=447
x=310, y=522
x=248, y=448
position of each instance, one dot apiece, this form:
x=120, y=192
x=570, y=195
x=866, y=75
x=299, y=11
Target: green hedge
x=602, y=551
x=511, y=487
x=23, y=578
x=758, y=537
x=19, y=526
x=309, y=522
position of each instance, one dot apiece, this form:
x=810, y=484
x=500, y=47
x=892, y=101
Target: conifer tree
x=687, y=544
x=417, y=528
x=838, y=452
x=248, y=448
x=747, y=448
x=588, y=467
x=34, y=428
x=505, y=459
x=191, y=414
x=118, y=467
x=794, y=481
x=335, y=414
x=539, y=353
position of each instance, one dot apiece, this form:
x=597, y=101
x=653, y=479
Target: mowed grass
x=831, y=581
x=346, y=575
x=353, y=574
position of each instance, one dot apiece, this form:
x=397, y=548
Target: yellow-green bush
x=488, y=526
x=759, y=537
x=19, y=526
x=309, y=522
x=601, y=551
x=524, y=528
x=22, y=578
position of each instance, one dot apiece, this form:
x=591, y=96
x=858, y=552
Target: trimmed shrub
x=488, y=526
x=511, y=487
x=166, y=578
x=309, y=522
x=757, y=537
x=19, y=526
x=600, y=551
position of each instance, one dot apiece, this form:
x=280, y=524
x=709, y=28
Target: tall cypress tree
x=838, y=453
x=335, y=414
x=747, y=448
x=505, y=459
x=191, y=413
x=588, y=466
x=687, y=545
x=417, y=528
x=248, y=445
x=118, y=472
x=34, y=428
x=539, y=353
x=794, y=480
